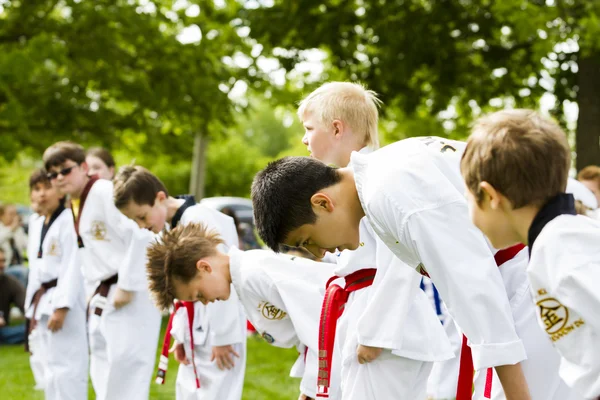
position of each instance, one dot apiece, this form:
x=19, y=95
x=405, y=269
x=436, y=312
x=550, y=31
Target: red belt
x=464, y=390
x=163, y=363
x=333, y=307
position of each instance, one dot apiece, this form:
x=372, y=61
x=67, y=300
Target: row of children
x=420, y=207
x=391, y=217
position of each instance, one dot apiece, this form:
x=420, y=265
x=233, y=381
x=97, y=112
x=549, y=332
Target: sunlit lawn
x=267, y=372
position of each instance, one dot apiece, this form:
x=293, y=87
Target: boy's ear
x=491, y=195
x=203, y=266
x=160, y=196
x=84, y=167
x=338, y=128
x=321, y=202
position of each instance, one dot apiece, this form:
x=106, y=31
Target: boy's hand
x=57, y=319
x=304, y=397
x=223, y=356
x=122, y=298
x=367, y=354
x=2, y=322
x=179, y=353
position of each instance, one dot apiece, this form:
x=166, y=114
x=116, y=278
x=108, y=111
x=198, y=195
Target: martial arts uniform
x=393, y=314
x=220, y=323
x=412, y=193
x=37, y=359
x=370, y=319
x=122, y=342
x=59, y=284
x=282, y=296
x=564, y=271
x=542, y=364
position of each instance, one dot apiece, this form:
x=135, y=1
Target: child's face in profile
x=207, y=286
x=319, y=139
x=148, y=217
x=333, y=230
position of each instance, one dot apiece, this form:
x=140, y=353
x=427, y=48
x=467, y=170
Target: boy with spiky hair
x=339, y=118
x=281, y=294
x=213, y=358
x=56, y=302
x=515, y=167
x=123, y=323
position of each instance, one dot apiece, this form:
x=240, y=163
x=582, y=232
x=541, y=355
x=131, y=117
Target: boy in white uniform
x=381, y=345
x=515, y=167
x=57, y=303
x=422, y=218
x=216, y=366
x=123, y=323
x=282, y=295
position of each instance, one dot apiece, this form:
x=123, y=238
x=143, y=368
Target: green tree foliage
x=110, y=70
x=475, y=55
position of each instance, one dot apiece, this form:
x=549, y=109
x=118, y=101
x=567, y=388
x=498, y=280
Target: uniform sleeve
x=132, y=271
x=455, y=255
x=70, y=278
x=33, y=281
x=383, y=320
x=226, y=319
x=273, y=321
x=577, y=290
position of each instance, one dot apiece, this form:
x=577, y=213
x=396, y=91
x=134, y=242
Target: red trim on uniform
x=464, y=389
x=161, y=375
x=333, y=307
x=487, y=392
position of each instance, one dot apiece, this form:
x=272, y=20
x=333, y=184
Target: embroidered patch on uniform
x=555, y=317
x=98, y=230
x=270, y=312
x=268, y=338
x=53, y=248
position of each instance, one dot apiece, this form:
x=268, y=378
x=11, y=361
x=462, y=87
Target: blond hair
x=174, y=257
x=349, y=102
x=522, y=154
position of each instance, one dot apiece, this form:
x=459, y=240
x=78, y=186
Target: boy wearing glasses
x=123, y=323
x=57, y=306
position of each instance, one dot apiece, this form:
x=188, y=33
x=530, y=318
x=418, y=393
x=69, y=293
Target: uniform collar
x=189, y=201
x=563, y=203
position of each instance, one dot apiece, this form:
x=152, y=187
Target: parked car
x=241, y=206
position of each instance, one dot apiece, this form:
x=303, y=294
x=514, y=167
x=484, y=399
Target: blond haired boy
x=515, y=167
x=378, y=334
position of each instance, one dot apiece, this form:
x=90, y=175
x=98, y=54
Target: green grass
x=267, y=371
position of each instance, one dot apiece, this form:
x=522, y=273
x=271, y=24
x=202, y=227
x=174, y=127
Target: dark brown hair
x=174, y=257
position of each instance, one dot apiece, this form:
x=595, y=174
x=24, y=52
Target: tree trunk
x=198, y=166
x=587, y=142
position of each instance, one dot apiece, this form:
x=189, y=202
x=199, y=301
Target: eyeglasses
x=64, y=172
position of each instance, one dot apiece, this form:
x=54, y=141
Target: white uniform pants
x=387, y=377
x=123, y=348
x=215, y=384
x=66, y=357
